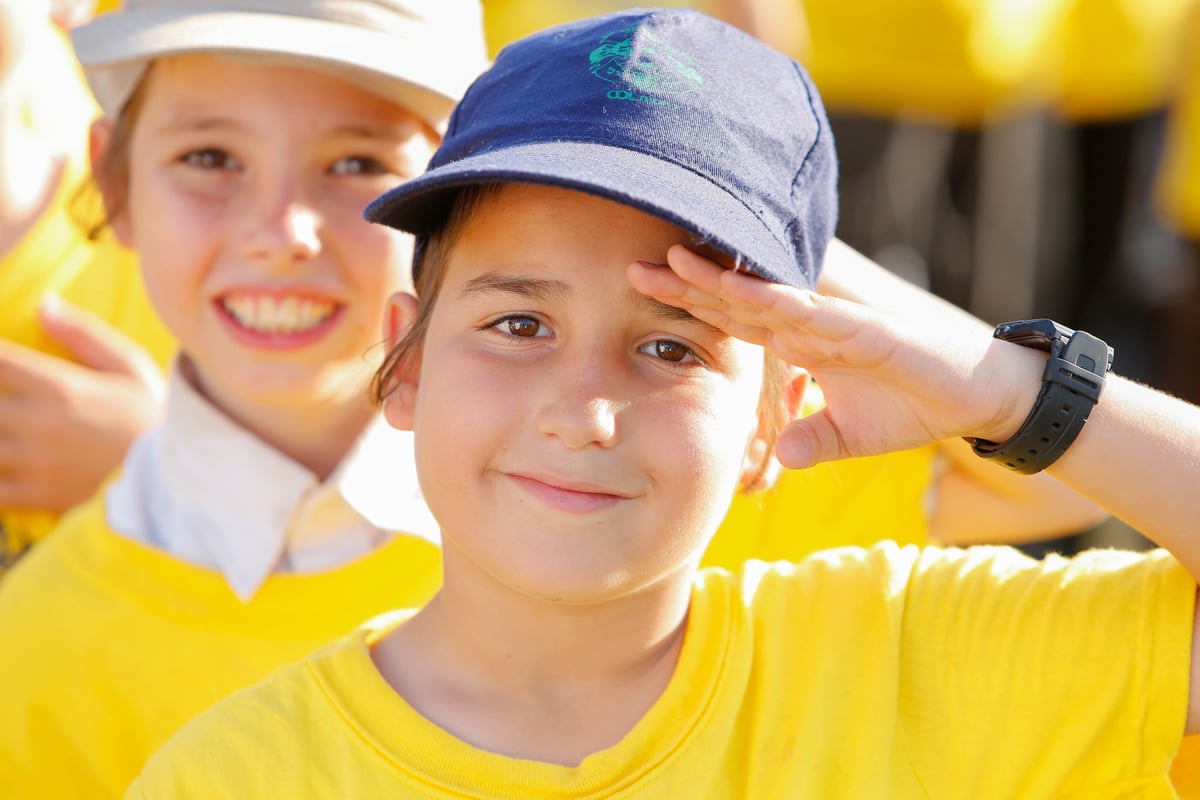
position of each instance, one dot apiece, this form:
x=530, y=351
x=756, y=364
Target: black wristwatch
x=1071, y=386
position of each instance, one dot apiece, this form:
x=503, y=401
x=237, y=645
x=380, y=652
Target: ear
x=99, y=135
x=400, y=389
x=759, y=467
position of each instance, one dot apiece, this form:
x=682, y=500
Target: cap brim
x=649, y=184
x=414, y=68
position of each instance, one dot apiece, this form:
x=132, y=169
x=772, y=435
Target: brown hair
x=429, y=267
x=101, y=200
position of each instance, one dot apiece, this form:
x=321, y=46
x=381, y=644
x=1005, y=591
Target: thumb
x=92, y=341
x=809, y=441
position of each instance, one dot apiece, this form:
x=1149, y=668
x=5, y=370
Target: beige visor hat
x=423, y=54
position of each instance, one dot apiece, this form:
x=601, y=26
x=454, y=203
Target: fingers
x=28, y=373
x=55, y=455
x=18, y=486
x=804, y=328
x=93, y=341
x=810, y=440
x=738, y=303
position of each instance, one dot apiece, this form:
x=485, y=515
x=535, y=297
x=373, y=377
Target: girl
x=262, y=517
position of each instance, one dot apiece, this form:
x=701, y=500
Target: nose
x=581, y=405
x=283, y=227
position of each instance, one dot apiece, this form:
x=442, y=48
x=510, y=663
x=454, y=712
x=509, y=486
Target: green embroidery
x=645, y=65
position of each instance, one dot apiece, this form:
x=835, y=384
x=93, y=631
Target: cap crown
x=670, y=111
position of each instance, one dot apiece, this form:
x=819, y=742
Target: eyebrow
x=190, y=121
x=532, y=288
x=668, y=312
x=195, y=121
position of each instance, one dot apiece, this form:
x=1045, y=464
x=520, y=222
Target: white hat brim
x=410, y=65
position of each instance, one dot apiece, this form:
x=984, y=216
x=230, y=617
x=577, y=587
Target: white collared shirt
x=206, y=491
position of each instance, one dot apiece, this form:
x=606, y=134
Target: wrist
x=1072, y=378
x=1019, y=388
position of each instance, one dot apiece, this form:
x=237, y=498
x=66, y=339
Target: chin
x=284, y=385
x=575, y=584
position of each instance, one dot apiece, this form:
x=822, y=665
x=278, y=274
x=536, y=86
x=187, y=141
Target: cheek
x=174, y=260
x=703, y=441
x=172, y=231
x=379, y=260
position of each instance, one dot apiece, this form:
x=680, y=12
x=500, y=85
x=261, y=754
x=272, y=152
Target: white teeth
x=274, y=315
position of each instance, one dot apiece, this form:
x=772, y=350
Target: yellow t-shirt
x=109, y=646
x=946, y=60
x=885, y=672
x=829, y=505
x=56, y=256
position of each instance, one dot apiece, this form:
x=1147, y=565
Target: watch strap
x=1071, y=384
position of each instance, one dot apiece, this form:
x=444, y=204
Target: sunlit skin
x=245, y=210
x=579, y=443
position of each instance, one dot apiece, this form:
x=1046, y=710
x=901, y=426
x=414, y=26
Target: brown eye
x=671, y=351
x=523, y=326
x=209, y=158
x=359, y=165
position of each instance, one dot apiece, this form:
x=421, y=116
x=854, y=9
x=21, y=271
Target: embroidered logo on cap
x=645, y=65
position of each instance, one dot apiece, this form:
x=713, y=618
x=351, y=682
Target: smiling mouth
x=277, y=315
x=571, y=498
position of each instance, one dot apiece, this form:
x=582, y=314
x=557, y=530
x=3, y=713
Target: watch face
x=1038, y=333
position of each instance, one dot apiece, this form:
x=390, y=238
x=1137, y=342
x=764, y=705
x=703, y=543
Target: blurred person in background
x=82, y=353
x=1114, y=264
x=937, y=109
x=1177, y=195
x=780, y=23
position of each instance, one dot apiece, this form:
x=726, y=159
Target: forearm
x=978, y=502
x=848, y=274
x=1139, y=457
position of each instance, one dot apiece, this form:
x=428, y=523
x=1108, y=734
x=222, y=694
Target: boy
x=588, y=183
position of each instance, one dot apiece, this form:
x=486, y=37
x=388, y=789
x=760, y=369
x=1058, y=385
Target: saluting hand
x=890, y=382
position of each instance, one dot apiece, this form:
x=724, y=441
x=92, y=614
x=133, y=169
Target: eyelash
x=370, y=166
x=509, y=320
x=216, y=159
x=690, y=357
x=205, y=157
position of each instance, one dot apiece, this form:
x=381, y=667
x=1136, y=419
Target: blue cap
x=669, y=111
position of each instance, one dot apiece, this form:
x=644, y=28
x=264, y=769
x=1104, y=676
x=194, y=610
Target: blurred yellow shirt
x=958, y=62
x=112, y=645
x=1119, y=58
x=505, y=21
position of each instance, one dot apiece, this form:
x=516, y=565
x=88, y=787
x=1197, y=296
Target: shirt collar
x=208, y=491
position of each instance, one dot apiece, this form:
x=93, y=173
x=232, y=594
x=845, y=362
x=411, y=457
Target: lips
x=278, y=320
x=570, y=496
